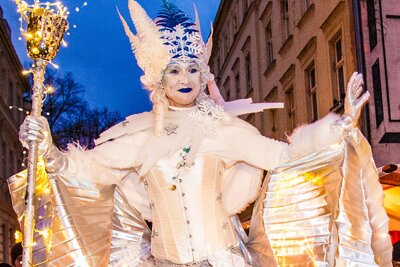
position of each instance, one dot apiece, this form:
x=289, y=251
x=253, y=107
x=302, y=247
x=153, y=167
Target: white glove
x=36, y=129
x=355, y=98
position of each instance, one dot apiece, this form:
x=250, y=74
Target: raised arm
x=246, y=144
x=76, y=163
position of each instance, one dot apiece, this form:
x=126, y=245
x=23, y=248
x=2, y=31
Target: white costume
x=194, y=182
x=194, y=178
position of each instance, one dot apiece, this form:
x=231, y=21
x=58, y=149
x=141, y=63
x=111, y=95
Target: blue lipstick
x=185, y=90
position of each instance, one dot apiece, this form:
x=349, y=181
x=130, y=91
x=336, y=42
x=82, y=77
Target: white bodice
x=190, y=222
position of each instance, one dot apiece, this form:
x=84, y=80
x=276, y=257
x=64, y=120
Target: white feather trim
x=151, y=55
x=315, y=137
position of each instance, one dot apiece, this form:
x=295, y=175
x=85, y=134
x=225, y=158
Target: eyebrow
x=173, y=64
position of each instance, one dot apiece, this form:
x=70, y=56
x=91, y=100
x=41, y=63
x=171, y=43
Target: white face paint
x=182, y=83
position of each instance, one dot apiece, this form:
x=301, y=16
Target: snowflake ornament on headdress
x=172, y=36
x=178, y=33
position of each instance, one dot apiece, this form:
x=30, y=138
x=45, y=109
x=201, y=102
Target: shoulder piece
x=132, y=124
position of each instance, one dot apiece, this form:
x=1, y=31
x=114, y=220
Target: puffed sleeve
x=240, y=141
x=107, y=163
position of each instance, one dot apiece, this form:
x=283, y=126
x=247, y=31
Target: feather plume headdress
x=172, y=36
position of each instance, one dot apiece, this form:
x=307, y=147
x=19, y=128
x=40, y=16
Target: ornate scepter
x=46, y=25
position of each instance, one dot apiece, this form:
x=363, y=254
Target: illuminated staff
x=46, y=25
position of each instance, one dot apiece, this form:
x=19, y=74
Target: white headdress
x=171, y=36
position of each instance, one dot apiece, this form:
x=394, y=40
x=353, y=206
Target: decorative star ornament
x=171, y=128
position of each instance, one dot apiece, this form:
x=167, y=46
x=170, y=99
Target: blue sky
x=98, y=52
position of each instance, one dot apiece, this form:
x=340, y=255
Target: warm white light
x=50, y=89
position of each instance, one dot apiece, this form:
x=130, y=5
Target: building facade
x=300, y=52
x=12, y=86
x=380, y=31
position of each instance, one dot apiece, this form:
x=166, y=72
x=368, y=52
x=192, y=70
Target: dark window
x=291, y=110
x=237, y=85
x=226, y=45
x=376, y=78
x=285, y=19
x=268, y=42
x=248, y=72
x=373, y=39
x=338, y=69
x=227, y=89
x=235, y=23
x=312, y=93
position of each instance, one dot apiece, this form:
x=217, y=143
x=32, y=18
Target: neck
x=181, y=108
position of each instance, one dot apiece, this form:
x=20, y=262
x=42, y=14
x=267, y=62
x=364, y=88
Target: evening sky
x=98, y=52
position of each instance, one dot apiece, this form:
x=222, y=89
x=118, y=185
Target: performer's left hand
x=355, y=98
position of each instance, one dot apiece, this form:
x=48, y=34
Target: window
x=272, y=119
x=373, y=38
x=226, y=45
x=235, y=23
x=376, y=79
x=268, y=43
x=11, y=237
x=312, y=100
x=247, y=63
x=338, y=71
x=291, y=111
x=285, y=19
x=227, y=89
x=270, y=126
x=237, y=85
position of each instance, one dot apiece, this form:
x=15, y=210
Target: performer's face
x=182, y=83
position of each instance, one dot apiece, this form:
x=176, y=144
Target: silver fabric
x=325, y=209
x=81, y=219
x=165, y=263
x=242, y=239
x=130, y=235
x=55, y=160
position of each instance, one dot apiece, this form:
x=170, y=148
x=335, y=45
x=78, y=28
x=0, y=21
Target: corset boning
x=189, y=220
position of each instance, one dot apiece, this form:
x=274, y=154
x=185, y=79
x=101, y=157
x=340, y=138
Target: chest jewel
x=181, y=163
x=207, y=118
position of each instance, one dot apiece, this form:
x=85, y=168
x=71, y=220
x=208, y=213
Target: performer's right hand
x=36, y=129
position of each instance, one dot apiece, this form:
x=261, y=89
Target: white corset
x=190, y=222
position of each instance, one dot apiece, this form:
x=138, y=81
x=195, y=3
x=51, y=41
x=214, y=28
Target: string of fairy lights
x=24, y=8
x=42, y=25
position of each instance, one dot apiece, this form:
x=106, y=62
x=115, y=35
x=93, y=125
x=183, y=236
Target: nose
x=183, y=78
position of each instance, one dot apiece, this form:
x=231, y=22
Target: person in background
x=16, y=255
